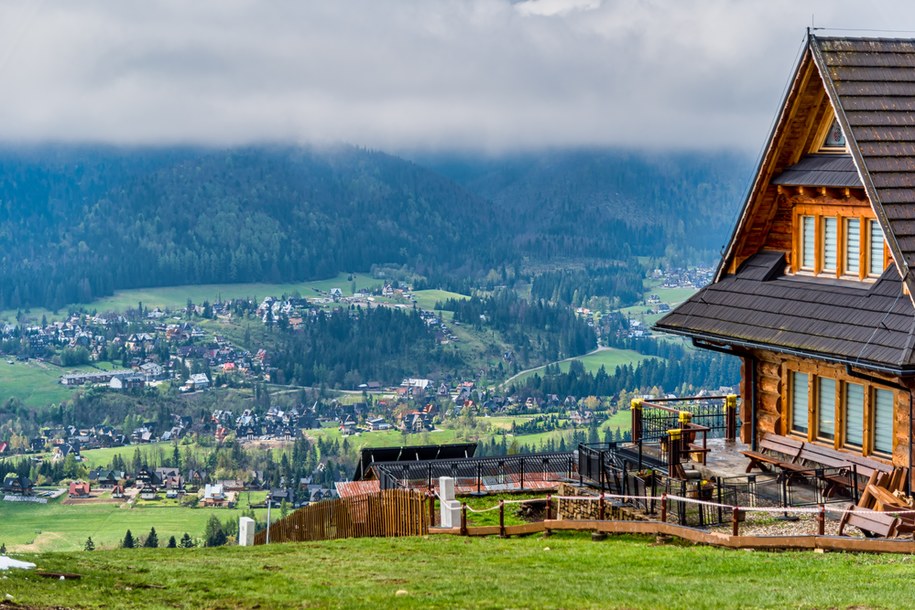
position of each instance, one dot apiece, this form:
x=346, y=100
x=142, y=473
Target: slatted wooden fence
x=392, y=512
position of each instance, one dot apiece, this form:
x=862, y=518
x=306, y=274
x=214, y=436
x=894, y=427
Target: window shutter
x=854, y=414
x=883, y=421
x=826, y=408
x=808, y=241
x=799, y=401
x=852, y=246
x=830, y=243
x=875, y=266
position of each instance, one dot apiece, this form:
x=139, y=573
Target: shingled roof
x=870, y=85
x=866, y=325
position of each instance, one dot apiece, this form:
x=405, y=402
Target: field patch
x=566, y=570
x=609, y=358
x=177, y=296
x=426, y=299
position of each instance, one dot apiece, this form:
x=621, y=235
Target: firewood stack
x=883, y=493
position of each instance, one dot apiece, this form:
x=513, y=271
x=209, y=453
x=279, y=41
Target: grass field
x=563, y=571
x=63, y=527
x=426, y=299
x=36, y=384
x=609, y=358
x=150, y=452
x=177, y=296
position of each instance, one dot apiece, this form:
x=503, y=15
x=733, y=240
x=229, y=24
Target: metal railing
x=652, y=420
x=481, y=475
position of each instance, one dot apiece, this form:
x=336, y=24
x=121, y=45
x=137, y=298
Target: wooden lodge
x=816, y=289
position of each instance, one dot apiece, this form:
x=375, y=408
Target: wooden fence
x=392, y=512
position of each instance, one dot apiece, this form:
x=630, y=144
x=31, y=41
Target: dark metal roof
x=821, y=170
x=371, y=455
x=868, y=325
x=871, y=82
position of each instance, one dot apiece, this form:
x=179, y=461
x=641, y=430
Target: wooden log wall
x=392, y=512
x=772, y=415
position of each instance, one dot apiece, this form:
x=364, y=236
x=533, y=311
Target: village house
x=79, y=489
x=816, y=289
x=17, y=485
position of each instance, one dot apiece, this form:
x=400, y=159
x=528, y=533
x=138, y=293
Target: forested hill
x=76, y=224
x=590, y=202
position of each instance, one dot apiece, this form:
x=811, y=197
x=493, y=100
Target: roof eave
x=699, y=337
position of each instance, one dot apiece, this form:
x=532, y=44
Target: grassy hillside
x=65, y=527
x=564, y=571
x=609, y=358
x=177, y=296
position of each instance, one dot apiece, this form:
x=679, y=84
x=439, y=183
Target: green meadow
x=609, y=358
x=566, y=570
x=426, y=299
x=65, y=527
x=177, y=296
x=36, y=384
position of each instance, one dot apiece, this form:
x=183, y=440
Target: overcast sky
x=488, y=75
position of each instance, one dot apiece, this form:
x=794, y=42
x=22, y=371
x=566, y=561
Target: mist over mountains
x=77, y=223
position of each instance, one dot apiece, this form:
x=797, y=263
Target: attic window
x=835, y=139
x=830, y=242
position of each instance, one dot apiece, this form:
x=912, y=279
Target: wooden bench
x=885, y=525
x=771, y=448
x=865, y=467
x=850, y=467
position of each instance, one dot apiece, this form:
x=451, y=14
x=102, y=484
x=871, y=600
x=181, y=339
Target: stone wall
x=589, y=510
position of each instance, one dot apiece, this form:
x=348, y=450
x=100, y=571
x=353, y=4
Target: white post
x=450, y=508
x=246, y=531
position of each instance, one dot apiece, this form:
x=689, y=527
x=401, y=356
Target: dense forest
x=348, y=347
x=620, y=284
x=78, y=223
x=538, y=329
x=609, y=204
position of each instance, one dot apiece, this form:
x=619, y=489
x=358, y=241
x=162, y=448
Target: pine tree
x=187, y=542
x=214, y=534
x=152, y=540
x=3, y=549
x=171, y=543
x=128, y=541
x=90, y=546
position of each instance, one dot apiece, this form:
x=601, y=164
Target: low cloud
x=452, y=74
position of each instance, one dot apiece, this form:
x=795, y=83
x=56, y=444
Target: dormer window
x=830, y=242
x=834, y=140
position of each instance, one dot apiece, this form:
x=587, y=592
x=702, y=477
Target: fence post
x=600, y=474
x=735, y=522
x=636, y=411
x=821, y=520
x=522, y=472
x=730, y=416
x=463, y=519
x=673, y=451
x=549, y=507
x=718, y=488
x=431, y=510
x=501, y=518
x=479, y=477
x=664, y=507
x=601, y=507
x=681, y=505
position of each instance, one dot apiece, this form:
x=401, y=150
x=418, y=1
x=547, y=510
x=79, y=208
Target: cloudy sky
x=487, y=75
